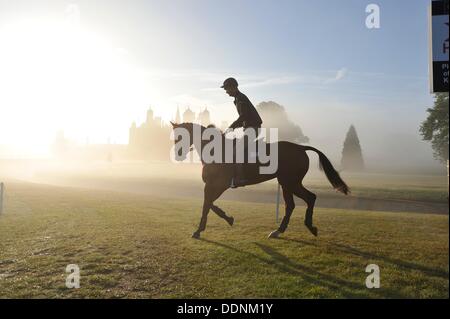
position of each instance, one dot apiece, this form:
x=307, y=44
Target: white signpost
x=278, y=204
x=2, y=190
x=439, y=46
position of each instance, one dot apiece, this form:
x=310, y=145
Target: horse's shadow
x=280, y=262
x=357, y=252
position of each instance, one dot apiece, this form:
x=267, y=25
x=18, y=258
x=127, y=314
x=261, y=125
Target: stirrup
x=241, y=184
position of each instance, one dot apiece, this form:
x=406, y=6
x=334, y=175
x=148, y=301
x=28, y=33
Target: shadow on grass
x=282, y=263
x=397, y=262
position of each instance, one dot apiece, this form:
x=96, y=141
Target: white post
x=278, y=204
x=2, y=187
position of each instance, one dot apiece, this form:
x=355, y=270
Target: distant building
x=203, y=117
x=177, y=116
x=68, y=150
x=188, y=116
x=151, y=140
x=148, y=141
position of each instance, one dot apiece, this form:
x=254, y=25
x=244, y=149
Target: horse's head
x=183, y=136
x=185, y=141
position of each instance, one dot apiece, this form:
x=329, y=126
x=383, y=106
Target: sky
x=93, y=67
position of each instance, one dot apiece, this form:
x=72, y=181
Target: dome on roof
x=188, y=115
x=188, y=111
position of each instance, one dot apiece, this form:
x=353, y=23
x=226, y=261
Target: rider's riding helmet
x=230, y=82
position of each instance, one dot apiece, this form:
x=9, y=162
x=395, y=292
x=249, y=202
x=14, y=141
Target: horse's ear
x=173, y=124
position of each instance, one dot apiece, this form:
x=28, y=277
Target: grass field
x=137, y=246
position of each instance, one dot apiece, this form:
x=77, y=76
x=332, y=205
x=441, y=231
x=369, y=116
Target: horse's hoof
x=313, y=230
x=196, y=235
x=230, y=220
x=274, y=234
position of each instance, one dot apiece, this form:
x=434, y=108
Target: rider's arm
x=238, y=123
x=242, y=116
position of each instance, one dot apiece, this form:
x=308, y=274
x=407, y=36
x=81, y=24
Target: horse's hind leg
x=290, y=205
x=222, y=214
x=310, y=199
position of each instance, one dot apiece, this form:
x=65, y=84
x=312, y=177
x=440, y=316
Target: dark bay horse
x=293, y=164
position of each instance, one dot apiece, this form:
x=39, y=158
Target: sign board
x=439, y=46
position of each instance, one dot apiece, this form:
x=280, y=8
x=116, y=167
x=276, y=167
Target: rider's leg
x=239, y=178
x=241, y=170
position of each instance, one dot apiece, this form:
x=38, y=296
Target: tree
x=435, y=127
x=274, y=115
x=352, y=158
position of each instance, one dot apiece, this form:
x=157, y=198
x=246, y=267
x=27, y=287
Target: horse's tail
x=330, y=172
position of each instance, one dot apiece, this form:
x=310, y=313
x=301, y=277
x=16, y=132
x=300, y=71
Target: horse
x=293, y=164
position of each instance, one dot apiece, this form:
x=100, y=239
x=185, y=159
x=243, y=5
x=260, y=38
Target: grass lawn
x=136, y=246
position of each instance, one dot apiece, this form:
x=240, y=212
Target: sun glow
x=56, y=75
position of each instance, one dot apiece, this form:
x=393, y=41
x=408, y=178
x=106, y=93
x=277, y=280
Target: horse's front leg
x=211, y=193
x=202, y=226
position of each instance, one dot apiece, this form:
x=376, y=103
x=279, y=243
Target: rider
x=248, y=119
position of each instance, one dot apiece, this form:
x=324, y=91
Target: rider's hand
x=228, y=130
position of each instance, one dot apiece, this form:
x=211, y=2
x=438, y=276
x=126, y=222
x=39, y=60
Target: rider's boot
x=236, y=182
x=239, y=179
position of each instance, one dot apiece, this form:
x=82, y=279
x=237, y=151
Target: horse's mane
x=213, y=126
x=203, y=127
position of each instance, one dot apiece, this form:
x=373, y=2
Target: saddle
x=247, y=171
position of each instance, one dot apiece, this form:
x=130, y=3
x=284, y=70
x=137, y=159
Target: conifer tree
x=352, y=159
